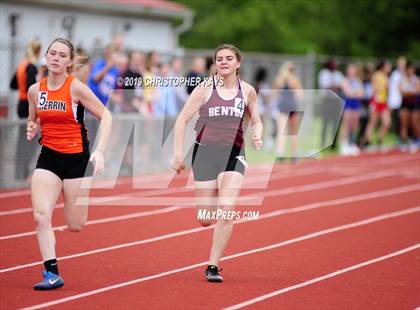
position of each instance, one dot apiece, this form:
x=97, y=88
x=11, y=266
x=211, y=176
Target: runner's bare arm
x=32, y=125
x=256, y=123
x=191, y=107
x=82, y=94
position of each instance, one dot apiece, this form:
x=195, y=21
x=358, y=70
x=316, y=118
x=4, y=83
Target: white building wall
x=47, y=24
x=89, y=29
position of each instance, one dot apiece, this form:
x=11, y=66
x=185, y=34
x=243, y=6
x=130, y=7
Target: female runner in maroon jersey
x=218, y=160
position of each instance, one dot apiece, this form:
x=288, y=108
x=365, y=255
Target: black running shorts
x=208, y=161
x=65, y=166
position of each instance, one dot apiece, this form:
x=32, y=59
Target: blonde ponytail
x=79, y=61
x=33, y=50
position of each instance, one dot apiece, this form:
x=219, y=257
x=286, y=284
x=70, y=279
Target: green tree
x=355, y=28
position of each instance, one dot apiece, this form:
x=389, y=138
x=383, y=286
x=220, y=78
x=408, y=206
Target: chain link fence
x=18, y=156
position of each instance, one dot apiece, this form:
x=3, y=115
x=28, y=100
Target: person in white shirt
x=394, y=94
x=330, y=78
x=410, y=108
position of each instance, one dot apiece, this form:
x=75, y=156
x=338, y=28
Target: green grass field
x=307, y=143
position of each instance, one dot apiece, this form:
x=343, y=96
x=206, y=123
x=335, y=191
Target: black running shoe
x=212, y=274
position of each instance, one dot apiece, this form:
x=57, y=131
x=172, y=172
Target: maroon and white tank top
x=220, y=121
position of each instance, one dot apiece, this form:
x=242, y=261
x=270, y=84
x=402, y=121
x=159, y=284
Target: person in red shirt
x=57, y=104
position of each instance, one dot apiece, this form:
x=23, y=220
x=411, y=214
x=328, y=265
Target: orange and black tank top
x=62, y=119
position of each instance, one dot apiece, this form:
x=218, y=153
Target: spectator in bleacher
x=133, y=78
x=288, y=90
x=103, y=75
x=116, y=98
x=102, y=81
x=177, y=71
x=124, y=98
x=164, y=112
x=266, y=112
x=42, y=69
x=24, y=77
x=83, y=70
x=177, y=66
x=368, y=70
x=196, y=74
x=353, y=94
x=149, y=91
x=330, y=78
x=379, y=103
x=210, y=66
x=261, y=87
x=395, y=97
x=118, y=42
x=410, y=108
x=153, y=62
x=165, y=102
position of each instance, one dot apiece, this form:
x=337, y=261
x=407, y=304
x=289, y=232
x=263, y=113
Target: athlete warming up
x=218, y=160
x=57, y=104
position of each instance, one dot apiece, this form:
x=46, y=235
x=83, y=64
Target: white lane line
x=199, y=229
x=101, y=221
x=156, y=192
x=120, y=181
x=319, y=279
x=138, y=199
x=257, y=250
x=388, y=159
x=15, y=193
x=22, y=210
x=145, y=179
x=101, y=199
x=360, y=161
x=283, y=191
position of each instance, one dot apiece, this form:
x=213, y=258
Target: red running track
x=317, y=218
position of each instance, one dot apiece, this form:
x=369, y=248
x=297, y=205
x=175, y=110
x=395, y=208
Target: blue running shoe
x=50, y=282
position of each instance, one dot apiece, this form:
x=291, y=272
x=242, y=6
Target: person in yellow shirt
x=378, y=103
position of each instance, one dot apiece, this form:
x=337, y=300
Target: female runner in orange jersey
x=57, y=103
